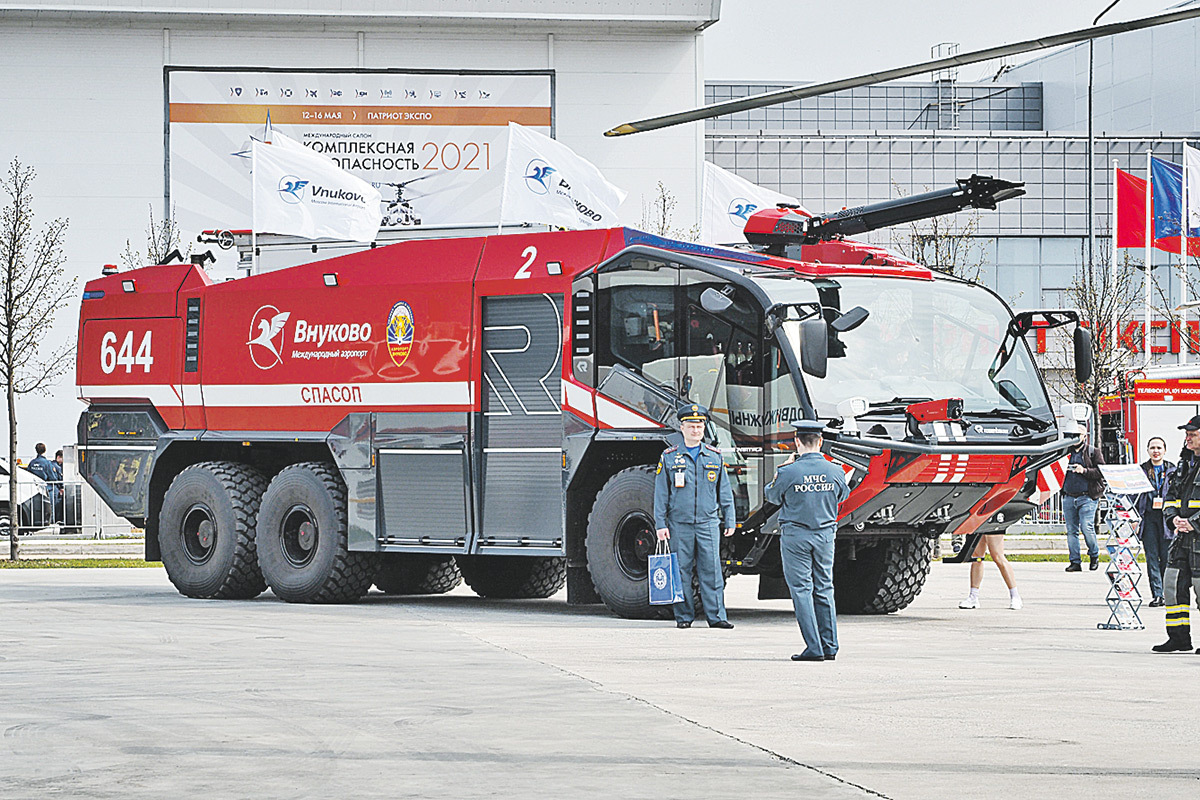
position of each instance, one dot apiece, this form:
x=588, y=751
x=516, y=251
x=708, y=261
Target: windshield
x=923, y=340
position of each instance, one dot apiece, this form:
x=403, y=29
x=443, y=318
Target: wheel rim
x=199, y=534
x=299, y=535
x=633, y=542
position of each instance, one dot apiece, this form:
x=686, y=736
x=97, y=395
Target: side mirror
x=850, y=320
x=814, y=347
x=1083, y=354
x=715, y=302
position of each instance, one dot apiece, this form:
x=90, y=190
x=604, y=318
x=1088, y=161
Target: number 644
x=111, y=358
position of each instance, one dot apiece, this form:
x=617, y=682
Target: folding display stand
x=1123, y=571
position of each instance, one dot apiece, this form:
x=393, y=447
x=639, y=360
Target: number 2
x=529, y=254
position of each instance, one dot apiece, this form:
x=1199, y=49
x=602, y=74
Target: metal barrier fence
x=1049, y=513
x=71, y=507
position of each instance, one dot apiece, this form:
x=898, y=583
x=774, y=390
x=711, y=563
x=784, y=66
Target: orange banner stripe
x=358, y=115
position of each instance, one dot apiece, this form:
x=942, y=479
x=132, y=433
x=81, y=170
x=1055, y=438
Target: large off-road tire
x=883, y=578
x=512, y=577
x=302, y=546
x=620, y=536
x=416, y=573
x=206, y=530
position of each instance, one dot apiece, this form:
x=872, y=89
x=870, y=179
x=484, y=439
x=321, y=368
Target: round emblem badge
x=660, y=578
x=712, y=477
x=400, y=333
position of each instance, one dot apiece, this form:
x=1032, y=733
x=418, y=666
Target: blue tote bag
x=666, y=588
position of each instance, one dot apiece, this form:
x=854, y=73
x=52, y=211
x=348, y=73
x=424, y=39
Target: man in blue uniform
x=692, y=497
x=810, y=491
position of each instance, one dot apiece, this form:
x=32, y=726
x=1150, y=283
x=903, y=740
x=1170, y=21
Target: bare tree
x=1101, y=298
x=161, y=238
x=35, y=289
x=658, y=215
x=948, y=243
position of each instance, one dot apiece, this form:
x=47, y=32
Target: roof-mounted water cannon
x=787, y=225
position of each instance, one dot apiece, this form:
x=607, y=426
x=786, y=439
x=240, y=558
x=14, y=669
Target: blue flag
x=1167, y=182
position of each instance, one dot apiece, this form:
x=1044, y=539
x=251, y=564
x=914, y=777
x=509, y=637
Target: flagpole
x=1149, y=242
x=1112, y=332
x=1183, y=247
x=253, y=209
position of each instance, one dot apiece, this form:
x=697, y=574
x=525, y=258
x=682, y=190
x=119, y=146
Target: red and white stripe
x=603, y=412
x=1050, y=480
x=951, y=468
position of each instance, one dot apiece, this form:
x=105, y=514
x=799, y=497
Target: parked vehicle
x=491, y=409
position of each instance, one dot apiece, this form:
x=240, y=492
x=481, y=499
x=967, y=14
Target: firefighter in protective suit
x=1181, y=513
x=692, y=501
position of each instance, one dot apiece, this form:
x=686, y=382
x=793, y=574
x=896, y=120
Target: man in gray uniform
x=810, y=489
x=691, y=497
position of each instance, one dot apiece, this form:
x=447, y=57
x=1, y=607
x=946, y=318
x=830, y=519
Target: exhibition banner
x=432, y=143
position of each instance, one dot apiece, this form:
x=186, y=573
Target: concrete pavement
x=115, y=686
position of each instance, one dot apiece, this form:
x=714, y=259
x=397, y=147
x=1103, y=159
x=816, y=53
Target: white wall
x=81, y=100
x=1142, y=81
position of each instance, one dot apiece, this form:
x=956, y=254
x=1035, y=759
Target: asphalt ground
x=115, y=686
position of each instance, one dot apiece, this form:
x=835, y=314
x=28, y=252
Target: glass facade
x=892, y=107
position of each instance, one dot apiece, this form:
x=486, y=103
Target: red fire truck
x=1155, y=402
x=490, y=409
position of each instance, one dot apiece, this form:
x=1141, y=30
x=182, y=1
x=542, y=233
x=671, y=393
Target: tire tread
x=245, y=486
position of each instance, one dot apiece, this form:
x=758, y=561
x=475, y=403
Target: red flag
x=1170, y=244
x=1131, y=211
x=1131, y=217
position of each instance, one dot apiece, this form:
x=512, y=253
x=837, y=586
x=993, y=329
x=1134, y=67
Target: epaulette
x=708, y=446
x=670, y=449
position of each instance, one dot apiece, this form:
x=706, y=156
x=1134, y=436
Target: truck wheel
x=512, y=577
x=882, y=579
x=302, y=538
x=620, y=535
x=206, y=530
x=416, y=573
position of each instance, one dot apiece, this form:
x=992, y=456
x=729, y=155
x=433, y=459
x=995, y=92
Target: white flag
x=728, y=203
x=546, y=182
x=302, y=193
x=1191, y=162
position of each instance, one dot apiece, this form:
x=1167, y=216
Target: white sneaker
x=970, y=602
x=1015, y=603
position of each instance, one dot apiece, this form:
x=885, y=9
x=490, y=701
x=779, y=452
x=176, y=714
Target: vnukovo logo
x=400, y=329
x=291, y=189
x=266, y=326
x=537, y=176
x=542, y=179
x=740, y=210
x=266, y=339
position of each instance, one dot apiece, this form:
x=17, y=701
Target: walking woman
x=994, y=544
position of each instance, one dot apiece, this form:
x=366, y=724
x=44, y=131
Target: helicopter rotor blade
x=962, y=59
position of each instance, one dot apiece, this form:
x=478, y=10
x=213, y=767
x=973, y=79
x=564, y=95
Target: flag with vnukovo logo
x=729, y=200
x=545, y=181
x=301, y=193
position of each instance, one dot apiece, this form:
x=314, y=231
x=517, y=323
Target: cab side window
x=637, y=308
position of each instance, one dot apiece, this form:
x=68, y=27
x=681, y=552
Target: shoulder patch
x=670, y=449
